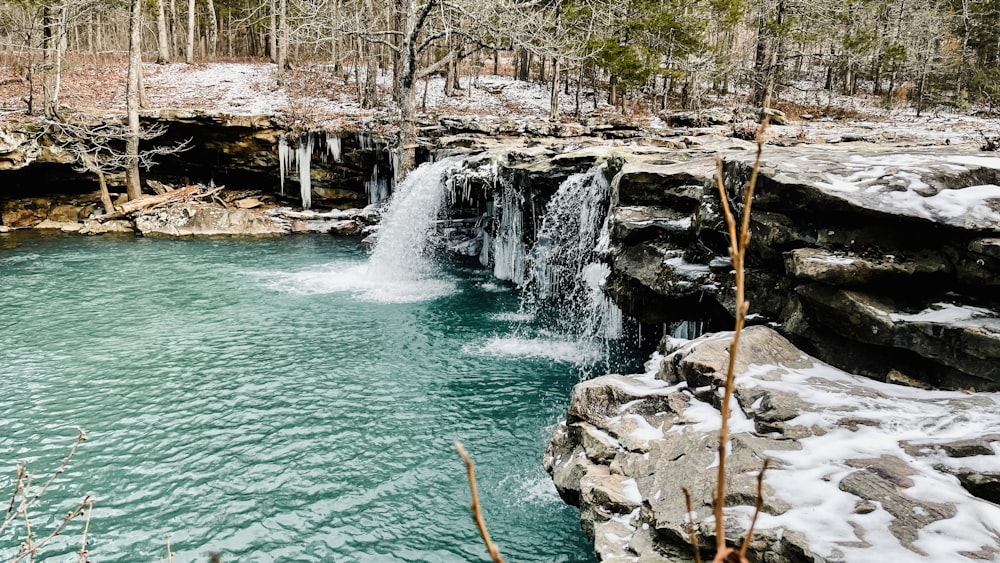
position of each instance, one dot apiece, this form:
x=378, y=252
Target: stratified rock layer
x=882, y=261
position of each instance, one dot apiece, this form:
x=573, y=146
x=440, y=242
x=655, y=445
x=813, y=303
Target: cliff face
x=240, y=152
x=883, y=262
x=880, y=261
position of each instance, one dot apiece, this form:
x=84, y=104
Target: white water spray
x=401, y=250
x=562, y=270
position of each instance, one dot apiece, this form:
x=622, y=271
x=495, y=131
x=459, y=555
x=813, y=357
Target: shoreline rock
x=858, y=466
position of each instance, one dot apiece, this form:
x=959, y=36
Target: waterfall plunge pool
x=253, y=398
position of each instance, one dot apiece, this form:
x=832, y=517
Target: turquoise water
x=250, y=397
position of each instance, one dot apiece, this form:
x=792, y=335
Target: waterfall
x=401, y=250
x=563, y=276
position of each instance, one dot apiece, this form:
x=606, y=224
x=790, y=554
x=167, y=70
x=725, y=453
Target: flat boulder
x=954, y=188
x=963, y=337
x=194, y=219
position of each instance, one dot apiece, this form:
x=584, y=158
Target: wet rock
x=248, y=203
x=64, y=226
x=910, y=516
x=95, y=227
x=20, y=218
x=68, y=213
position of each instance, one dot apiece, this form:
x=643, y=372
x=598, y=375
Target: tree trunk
x=175, y=48
x=413, y=21
x=371, y=67
x=52, y=104
x=523, y=65
x=282, y=58
x=213, y=30
x=132, y=101
x=449, y=77
x=579, y=86
x=371, y=75
x=102, y=182
x=189, y=49
x=554, y=101
x=272, y=34
x=163, y=43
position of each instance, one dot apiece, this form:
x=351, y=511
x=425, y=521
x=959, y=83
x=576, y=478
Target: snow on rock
x=861, y=470
x=953, y=187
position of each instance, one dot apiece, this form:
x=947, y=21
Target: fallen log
x=148, y=201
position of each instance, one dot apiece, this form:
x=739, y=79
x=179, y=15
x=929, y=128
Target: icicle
x=333, y=147
x=304, y=158
x=508, y=247
x=365, y=141
x=377, y=187
x=285, y=159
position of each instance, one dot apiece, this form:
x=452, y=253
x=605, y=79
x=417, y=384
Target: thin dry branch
x=24, y=483
x=758, y=505
x=477, y=514
x=738, y=242
x=692, y=527
x=84, y=553
x=30, y=548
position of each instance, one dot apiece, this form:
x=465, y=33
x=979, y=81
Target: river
x=245, y=397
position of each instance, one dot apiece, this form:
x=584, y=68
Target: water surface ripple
x=236, y=411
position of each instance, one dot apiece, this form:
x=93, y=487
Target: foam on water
x=358, y=280
x=553, y=348
x=514, y=317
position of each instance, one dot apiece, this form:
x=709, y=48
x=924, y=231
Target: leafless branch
x=692, y=527
x=477, y=514
x=84, y=554
x=758, y=505
x=737, y=252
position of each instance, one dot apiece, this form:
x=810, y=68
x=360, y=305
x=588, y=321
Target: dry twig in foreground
x=20, y=510
x=738, y=241
x=477, y=514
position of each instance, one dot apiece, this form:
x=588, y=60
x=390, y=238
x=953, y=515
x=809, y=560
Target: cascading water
x=564, y=311
x=563, y=270
x=400, y=253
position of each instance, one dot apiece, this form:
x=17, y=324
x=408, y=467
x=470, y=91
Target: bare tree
x=132, y=98
x=189, y=50
x=213, y=30
x=163, y=43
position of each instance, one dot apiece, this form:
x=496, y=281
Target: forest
x=641, y=56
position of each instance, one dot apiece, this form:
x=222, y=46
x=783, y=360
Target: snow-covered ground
x=321, y=96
